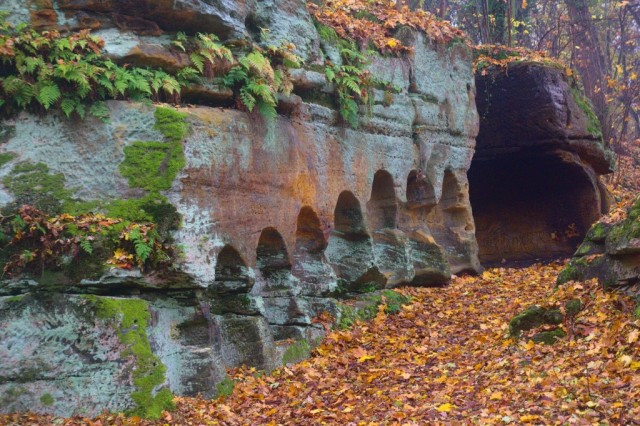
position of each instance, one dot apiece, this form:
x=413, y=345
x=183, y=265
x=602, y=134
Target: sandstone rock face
x=274, y=226
x=534, y=179
x=610, y=253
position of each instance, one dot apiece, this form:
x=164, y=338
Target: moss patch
x=46, y=400
x=6, y=157
x=572, y=307
x=132, y=316
x=569, y=273
x=366, y=308
x=593, y=124
x=296, y=352
x=548, y=337
x=598, y=232
x=533, y=317
x=225, y=387
x=33, y=184
x=154, y=165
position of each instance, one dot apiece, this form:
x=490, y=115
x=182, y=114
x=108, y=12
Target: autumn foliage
x=38, y=241
x=376, y=22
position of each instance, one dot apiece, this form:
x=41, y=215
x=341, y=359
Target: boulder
x=610, y=253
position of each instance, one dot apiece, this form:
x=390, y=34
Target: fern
x=48, y=94
x=85, y=244
x=143, y=248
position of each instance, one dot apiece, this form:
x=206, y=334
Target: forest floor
x=445, y=358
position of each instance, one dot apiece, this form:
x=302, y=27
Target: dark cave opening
x=529, y=207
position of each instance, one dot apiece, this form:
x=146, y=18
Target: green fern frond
x=48, y=94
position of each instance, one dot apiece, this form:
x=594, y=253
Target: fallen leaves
x=446, y=359
x=378, y=21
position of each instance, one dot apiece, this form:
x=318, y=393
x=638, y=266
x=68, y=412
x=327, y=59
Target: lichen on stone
x=131, y=317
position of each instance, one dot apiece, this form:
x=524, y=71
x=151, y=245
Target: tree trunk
x=589, y=60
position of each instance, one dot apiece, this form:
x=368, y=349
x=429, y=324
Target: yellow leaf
x=364, y=358
x=633, y=76
x=528, y=418
x=441, y=379
x=496, y=396
x=445, y=408
x=568, y=71
x=635, y=365
x=347, y=410
x=625, y=360
x=529, y=345
x=271, y=412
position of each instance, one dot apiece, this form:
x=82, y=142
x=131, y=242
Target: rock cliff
x=273, y=225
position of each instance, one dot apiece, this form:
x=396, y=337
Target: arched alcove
x=231, y=272
x=309, y=234
x=420, y=192
x=310, y=265
x=348, y=216
x=451, y=223
x=272, y=256
x=530, y=207
x=383, y=206
x=350, y=248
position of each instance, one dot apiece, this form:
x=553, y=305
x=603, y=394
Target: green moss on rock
x=548, y=337
x=598, y=232
x=132, y=316
x=593, y=124
x=6, y=157
x=225, y=387
x=33, y=184
x=296, y=352
x=154, y=165
x=569, y=273
x=572, y=307
x=366, y=308
x=533, y=317
x=46, y=400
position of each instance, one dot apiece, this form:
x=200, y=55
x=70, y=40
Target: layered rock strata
x=273, y=229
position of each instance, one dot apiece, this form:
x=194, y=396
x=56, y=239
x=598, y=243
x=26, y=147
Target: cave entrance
x=529, y=207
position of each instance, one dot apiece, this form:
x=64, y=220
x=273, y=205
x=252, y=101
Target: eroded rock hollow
x=534, y=178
